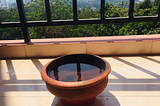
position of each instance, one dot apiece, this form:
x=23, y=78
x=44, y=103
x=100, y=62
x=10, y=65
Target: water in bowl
x=75, y=71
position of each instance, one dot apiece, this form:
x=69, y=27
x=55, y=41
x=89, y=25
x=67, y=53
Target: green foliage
x=35, y=11
x=144, y=5
x=155, y=3
x=10, y=33
x=87, y=13
x=63, y=10
x=9, y=15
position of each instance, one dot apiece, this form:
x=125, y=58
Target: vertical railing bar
x=131, y=8
x=22, y=16
x=75, y=17
x=102, y=9
x=26, y=34
x=158, y=10
x=48, y=11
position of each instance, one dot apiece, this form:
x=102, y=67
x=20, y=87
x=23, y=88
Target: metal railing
x=24, y=24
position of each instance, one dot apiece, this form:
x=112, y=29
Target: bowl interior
x=76, y=67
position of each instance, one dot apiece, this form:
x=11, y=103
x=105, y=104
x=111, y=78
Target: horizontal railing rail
x=102, y=20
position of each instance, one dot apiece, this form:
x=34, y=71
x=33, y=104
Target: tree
x=87, y=13
x=155, y=3
x=62, y=10
x=144, y=5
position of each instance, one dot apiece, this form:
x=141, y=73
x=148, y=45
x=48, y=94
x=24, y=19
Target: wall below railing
x=111, y=45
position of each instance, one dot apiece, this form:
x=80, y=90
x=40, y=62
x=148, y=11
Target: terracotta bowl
x=80, y=93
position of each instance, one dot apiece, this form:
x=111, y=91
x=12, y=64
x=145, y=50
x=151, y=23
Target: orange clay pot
x=80, y=93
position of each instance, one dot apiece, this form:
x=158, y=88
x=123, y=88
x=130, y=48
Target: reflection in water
x=72, y=72
x=79, y=72
x=56, y=73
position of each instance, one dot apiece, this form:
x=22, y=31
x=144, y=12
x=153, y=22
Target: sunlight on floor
x=133, y=81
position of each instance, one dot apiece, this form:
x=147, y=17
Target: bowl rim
x=75, y=85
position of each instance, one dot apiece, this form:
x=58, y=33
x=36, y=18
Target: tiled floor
x=134, y=81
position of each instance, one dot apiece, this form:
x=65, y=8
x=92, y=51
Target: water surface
x=75, y=71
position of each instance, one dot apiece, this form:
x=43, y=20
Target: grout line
x=86, y=48
x=151, y=47
x=16, y=67
x=20, y=63
x=25, y=51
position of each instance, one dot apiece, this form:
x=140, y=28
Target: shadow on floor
x=110, y=100
x=57, y=102
x=38, y=64
x=138, y=67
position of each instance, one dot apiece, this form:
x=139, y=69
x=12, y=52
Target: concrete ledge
x=119, y=48
x=53, y=50
x=110, y=45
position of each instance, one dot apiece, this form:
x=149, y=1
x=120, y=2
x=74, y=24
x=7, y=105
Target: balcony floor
x=134, y=81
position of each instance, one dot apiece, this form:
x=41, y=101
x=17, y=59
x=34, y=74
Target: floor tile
x=133, y=81
x=26, y=101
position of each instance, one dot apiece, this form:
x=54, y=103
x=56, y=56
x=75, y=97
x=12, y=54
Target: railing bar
x=102, y=9
x=86, y=21
x=158, y=10
x=75, y=16
x=22, y=16
x=131, y=8
x=21, y=11
x=26, y=34
x=48, y=11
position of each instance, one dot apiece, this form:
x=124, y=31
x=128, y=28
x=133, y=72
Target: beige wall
x=93, y=45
